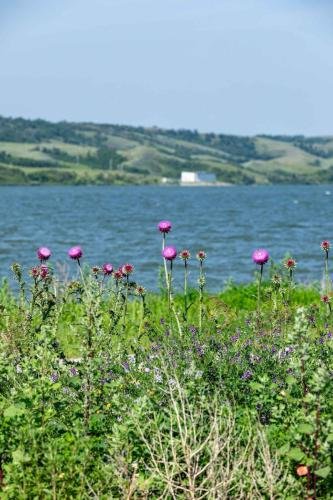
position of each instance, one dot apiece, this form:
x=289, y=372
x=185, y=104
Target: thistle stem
x=165, y=264
x=185, y=290
x=201, y=277
x=170, y=286
x=327, y=284
x=259, y=289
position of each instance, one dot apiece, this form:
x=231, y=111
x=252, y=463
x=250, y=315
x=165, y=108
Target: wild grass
x=107, y=391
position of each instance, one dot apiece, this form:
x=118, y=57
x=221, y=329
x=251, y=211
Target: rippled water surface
x=118, y=224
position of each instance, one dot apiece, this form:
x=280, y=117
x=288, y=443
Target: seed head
x=118, y=275
x=140, y=290
x=201, y=255
x=325, y=245
x=276, y=280
x=44, y=272
x=290, y=263
x=185, y=255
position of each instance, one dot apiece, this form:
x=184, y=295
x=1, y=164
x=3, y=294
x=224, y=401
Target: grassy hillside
x=37, y=151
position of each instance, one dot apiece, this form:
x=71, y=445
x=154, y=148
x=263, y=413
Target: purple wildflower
x=73, y=371
x=246, y=375
x=43, y=253
x=127, y=269
x=169, y=253
x=107, y=269
x=54, y=377
x=260, y=256
x=75, y=253
x=164, y=226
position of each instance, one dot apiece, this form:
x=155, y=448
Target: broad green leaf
x=13, y=411
x=255, y=386
x=324, y=472
x=291, y=380
x=305, y=429
x=284, y=449
x=296, y=454
x=19, y=456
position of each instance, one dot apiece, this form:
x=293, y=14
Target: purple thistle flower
x=164, y=226
x=73, y=371
x=75, y=253
x=127, y=269
x=260, y=256
x=43, y=253
x=169, y=253
x=107, y=269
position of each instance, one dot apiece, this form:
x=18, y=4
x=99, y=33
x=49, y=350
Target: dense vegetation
x=107, y=391
x=38, y=151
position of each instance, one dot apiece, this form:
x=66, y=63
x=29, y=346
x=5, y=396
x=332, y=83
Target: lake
x=117, y=224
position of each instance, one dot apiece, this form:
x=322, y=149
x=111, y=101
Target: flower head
x=185, y=255
x=34, y=272
x=127, y=269
x=118, y=275
x=140, y=290
x=302, y=470
x=325, y=245
x=246, y=375
x=44, y=271
x=260, y=256
x=169, y=253
x=201, y=255
x=43, y=253
x=107, y=269
x=75, y=253
x=290, y=263
x=164, y=226
x=325, y=299
x=276, y=280
x=95, y=270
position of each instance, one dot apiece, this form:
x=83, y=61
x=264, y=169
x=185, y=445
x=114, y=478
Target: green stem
x=259, y=289
x=185, y=291
x=125, y=305
x=201, y=277
x=170, y=286
x=165, y=264
x=327, y=283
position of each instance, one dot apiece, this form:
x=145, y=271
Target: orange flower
x=302, y=470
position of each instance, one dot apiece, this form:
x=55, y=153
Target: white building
x=197, y=178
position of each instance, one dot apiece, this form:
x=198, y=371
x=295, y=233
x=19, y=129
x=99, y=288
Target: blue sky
x=229, y=66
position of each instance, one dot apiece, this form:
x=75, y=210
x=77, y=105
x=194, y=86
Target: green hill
x=38, y=151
